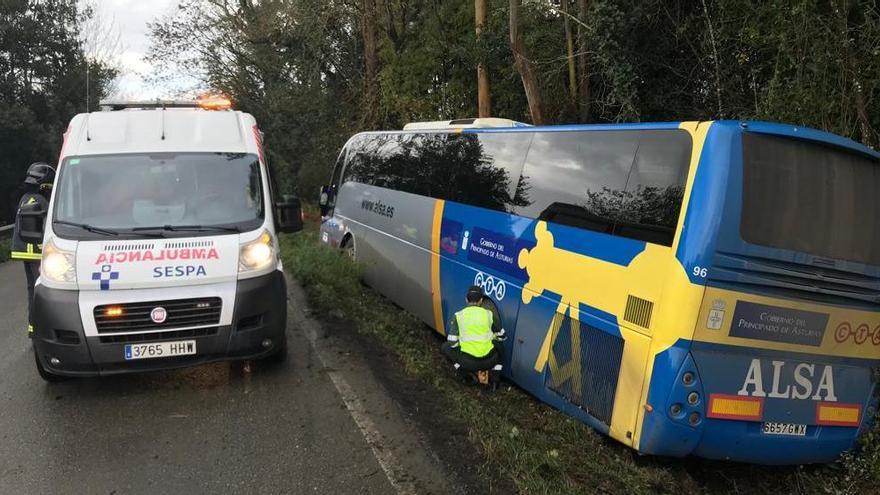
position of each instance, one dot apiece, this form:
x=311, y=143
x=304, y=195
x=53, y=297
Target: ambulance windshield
x=128, y=193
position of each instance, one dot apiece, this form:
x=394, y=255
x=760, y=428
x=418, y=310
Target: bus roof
x=465, y=124
x=797, y=132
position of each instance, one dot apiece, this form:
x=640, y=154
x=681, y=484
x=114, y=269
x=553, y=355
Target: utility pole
x=484, y=99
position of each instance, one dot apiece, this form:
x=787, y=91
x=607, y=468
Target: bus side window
x=655, y=188
x=625, y=183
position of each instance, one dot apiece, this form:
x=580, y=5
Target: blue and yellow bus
x=702, y=288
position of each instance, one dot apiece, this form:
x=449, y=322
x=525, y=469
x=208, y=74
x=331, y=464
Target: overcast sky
x=130, y=18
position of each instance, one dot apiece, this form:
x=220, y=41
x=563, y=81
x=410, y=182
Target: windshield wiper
x=96, y=230
x=189, y=228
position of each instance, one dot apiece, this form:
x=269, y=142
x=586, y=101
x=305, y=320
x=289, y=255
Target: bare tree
x=570, y=56
x=584, y=93
x=841, y=9
x=371, y=63
x=524, y=65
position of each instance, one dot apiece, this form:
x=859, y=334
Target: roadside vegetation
x=535, y=446
x=4, y=250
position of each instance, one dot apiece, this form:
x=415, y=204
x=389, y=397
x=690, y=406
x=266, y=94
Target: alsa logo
x=179, y=271
x=160, y=255
x=804, y=387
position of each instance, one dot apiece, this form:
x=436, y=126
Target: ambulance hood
x=145, y=264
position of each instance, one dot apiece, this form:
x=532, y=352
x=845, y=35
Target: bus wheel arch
x=348, y=246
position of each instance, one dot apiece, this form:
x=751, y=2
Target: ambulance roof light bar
x=208, y=103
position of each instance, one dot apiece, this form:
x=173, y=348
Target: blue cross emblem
x=105, y=276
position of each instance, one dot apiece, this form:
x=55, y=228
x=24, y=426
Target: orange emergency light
x=214, y=103
x=113, y=311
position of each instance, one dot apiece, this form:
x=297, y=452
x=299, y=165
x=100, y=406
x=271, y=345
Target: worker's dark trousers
x=31, y=272
x=466, y=362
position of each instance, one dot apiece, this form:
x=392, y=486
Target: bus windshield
x=810, y=198
x=132, y=192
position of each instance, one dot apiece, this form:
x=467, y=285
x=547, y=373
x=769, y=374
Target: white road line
x=387, y=461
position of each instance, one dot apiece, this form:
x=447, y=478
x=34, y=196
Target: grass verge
x=538, y=448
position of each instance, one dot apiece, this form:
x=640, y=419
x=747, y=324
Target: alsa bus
x=705, y=288
x=161, y=243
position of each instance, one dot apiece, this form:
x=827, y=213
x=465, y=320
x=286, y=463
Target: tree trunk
x=584, y=96
x=484, y=98
x=851, y=66
x=524, y=66
x=371, y=64
x=569, y=47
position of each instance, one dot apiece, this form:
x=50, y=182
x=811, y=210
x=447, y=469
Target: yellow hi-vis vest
x=475, y=331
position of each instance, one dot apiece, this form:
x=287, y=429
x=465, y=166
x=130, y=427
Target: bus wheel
x=348, y=247
x=45, y=374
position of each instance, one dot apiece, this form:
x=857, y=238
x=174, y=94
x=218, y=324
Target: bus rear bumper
x=743, y=441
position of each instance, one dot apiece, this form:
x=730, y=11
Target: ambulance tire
x=45, y=374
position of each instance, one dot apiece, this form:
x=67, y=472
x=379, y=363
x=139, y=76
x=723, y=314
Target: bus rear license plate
x=160, y=350
x=793, y=429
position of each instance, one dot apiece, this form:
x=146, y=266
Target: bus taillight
x=829, y=414
x=723, y=406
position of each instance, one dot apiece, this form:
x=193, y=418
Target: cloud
x=130, y=18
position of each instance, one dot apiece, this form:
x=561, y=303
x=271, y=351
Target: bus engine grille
x=135, y=317
x=584, y=366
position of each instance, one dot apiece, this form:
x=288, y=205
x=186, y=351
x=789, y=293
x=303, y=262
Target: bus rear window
x=810, y=198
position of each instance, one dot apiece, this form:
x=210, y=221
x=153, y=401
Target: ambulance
x=160, y=245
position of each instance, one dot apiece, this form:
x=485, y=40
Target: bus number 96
x=700, y=272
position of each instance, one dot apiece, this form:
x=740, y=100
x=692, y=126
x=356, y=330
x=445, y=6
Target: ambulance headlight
x=57, y=265
x=257, y=255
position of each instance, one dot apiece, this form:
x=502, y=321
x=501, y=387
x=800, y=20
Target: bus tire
x=45, y=374
x=348, y=247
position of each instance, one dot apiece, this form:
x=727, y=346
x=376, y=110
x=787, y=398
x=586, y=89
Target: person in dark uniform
x=38, y=187
x=473, y=339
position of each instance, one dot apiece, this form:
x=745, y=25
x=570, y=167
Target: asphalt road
x=305, y=426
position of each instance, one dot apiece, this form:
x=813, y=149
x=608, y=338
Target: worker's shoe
x=483, y=377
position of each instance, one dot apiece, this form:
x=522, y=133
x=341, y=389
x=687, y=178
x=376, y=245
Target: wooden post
x=484, y=98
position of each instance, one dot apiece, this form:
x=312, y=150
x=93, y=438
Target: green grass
x=4, y=250
x=538, y=448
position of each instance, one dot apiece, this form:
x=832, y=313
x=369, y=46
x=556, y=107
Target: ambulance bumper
x=260, y=316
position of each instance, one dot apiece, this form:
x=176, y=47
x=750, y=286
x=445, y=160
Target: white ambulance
x=161, y=243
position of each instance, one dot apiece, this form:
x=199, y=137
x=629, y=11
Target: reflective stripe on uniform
x=30, y=329
x=18, y=255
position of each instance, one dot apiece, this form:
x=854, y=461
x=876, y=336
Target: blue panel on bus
x=790, y=384
x=497, y=251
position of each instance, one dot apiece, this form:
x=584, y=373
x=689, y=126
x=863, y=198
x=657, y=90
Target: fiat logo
x=159, y=315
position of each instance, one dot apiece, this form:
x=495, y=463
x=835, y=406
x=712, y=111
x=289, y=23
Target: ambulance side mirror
x=32, y=218
x=288, y=215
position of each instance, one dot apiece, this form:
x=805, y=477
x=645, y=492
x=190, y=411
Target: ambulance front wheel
x=44, y=373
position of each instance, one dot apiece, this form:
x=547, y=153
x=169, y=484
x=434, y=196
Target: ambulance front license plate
x=793, y=429
x=160, y=350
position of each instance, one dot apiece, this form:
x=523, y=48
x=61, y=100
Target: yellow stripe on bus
x=435, y=266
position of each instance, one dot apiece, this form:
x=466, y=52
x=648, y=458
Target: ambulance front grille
x=135, y=317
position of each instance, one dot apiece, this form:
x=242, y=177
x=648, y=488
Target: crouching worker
x=474, y=340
